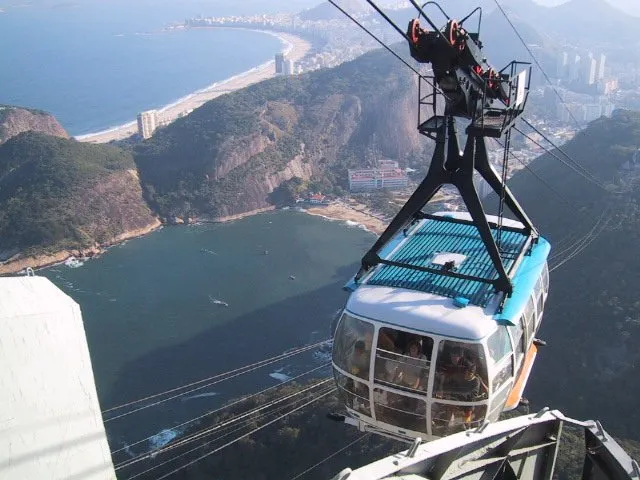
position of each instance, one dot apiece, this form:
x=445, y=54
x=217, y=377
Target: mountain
x=326, y=11
x=228, y=156
x=591, y=368
x=15, y=120
x=60, y=197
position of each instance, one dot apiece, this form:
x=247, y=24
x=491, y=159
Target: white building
x=50, y=420
x=366, y=179
x=289, y=67
x=601, y=66
x=147, y=123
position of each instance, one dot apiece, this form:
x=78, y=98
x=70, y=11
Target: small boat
x=73, y=262
x=292, y=277
x=215, y=301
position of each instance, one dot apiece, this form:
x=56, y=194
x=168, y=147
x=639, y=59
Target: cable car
x=418, y=354
x=438, y=334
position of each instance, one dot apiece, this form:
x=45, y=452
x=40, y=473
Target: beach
x=295, y=48
x=350, y=213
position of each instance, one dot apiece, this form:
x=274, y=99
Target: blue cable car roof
x=432, y=237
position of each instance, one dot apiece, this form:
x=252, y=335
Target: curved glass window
x=402, y=411
x=461, y=372
x=517, y=334
x=353, y=394
x=403, y=359
x=503, y=375
x=352, y=346
x=449, y=419
x=499, y=344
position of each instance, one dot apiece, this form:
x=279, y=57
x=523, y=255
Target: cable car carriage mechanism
x=438, y=334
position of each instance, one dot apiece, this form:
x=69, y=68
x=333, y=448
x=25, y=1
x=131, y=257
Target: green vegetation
x=50, y=196
x=591, y=368
x=217, y=159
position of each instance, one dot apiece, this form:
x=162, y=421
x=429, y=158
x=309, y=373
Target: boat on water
x=215, y=301
x=73, y=262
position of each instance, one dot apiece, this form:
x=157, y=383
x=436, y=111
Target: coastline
x=295, y=47
x=47, y=260
x=339, y=211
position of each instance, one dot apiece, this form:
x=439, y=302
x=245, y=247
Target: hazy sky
x=630, y=6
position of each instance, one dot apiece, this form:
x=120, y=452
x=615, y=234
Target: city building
x=562, y=68
x=388, y=176
x=52, y=425
x=601, y=66
x=280, y=59
x=147, y=123
x=289, y=66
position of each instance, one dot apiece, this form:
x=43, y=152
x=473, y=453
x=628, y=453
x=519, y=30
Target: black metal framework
x=491, y=101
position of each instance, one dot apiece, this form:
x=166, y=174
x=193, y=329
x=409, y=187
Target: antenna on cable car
x=492, y=101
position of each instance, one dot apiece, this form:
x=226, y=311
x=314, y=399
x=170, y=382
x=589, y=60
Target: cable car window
x=538, y=288
x=499, y=345
x=352, y=346
x=400, y=410
x=517, y=335
x=529, y=314
x=545, y=278
x=448, y=419
x=503, y=375
x=540, y=307
x=353, y=394
x=403, y=359
x=461, y=372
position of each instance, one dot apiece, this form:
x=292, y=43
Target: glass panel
x=403, y=359
x=448, y=419
x=352, y=346
x=497, y=405
x=499, y=344
x=503, y=375
x=545, y=278
x=353, y=394
x=461, y=372
x=529, y=313
x=400, y=410
x=540, y=307
x=538, y=289
x=517, y=335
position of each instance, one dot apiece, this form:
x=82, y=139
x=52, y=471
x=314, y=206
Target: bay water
x=152, y=322
x=95, y=64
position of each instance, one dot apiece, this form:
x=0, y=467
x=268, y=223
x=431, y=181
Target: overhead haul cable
x=564, y=162
x=242, y=426
x=346, y=447
x=535, y=60
x=224, y=407
x=217, y=379
x=233, y=422
x=271, y=422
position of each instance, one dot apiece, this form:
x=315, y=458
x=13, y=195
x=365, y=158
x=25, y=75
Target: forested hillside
x=58, y=194
x=229, y=155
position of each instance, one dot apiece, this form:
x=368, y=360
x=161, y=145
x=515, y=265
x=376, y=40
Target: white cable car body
x=457, y=325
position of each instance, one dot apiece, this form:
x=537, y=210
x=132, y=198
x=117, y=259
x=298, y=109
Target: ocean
x=95, y=64
x=152, y=324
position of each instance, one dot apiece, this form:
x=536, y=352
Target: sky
x=630, y=6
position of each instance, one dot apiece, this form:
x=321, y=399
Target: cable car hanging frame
x=492, y=101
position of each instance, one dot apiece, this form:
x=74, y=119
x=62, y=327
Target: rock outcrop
x=15, y=120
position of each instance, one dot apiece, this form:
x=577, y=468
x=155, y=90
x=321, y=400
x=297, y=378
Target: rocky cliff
x=59, y=197
x=15, y=120
x=226, y=157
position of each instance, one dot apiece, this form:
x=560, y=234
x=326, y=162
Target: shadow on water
x=250, y=338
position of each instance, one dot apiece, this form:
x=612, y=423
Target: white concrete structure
x=147, y=123
x=50, y=421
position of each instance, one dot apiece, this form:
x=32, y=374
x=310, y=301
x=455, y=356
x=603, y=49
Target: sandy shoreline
x=295, y=48
x=343, y=212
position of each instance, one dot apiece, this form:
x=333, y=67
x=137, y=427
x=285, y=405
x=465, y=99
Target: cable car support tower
x=462, y=86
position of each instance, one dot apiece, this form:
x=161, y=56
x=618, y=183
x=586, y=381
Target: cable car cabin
x=419, y=354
